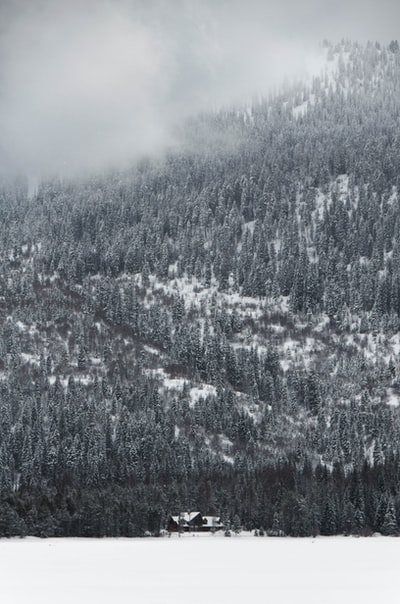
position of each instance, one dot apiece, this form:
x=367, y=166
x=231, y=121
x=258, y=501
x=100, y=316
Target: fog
x=91, y=84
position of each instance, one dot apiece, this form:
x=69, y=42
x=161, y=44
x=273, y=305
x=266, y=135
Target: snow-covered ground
x=200, y=570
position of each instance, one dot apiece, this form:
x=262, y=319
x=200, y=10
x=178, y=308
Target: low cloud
x=91, y=84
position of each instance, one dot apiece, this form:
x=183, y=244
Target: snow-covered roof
x=212, y=520
x=186, y=517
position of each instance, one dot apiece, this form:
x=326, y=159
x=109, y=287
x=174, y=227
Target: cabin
x=193, y=521
x=212, y=523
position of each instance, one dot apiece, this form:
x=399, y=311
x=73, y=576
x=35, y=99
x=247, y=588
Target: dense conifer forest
x=216, y=329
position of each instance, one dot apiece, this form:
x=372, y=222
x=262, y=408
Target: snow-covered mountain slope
x=215, y=328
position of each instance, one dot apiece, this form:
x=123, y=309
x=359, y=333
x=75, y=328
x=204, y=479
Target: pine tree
x=390, y=526
x=236, y=524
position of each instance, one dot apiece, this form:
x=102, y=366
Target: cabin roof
x=186, y=516
x=212, y=520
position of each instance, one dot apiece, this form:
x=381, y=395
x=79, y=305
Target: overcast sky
x=91, y=83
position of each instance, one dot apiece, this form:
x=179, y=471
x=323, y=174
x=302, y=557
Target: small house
x=193, y=521
x=212, y=523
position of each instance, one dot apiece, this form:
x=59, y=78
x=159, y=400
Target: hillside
x=217, y=329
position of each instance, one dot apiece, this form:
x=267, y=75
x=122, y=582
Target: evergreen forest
x=216, y=329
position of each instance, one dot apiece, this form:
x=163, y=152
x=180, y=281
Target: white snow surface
x=198, y=569
x=198, y=392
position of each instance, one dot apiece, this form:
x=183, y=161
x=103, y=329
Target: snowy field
x=193, y=570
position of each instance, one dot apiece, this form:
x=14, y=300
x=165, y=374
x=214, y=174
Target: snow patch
x=198, y=392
